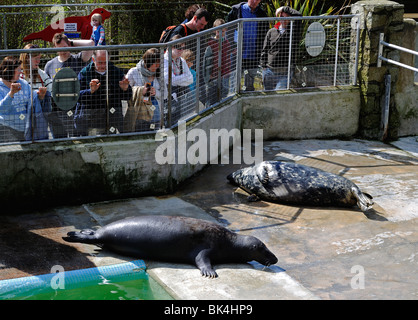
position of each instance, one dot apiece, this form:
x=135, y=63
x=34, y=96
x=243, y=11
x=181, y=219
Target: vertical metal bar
x=357, y=51
x=239, y=56
x=107, y=95
x=170, y=76
x=198, y=77
x=336, y=51
x=219, y=66
x=380, y=52
x=290, y=55
x=5, y=31
x=163, y=88
x=385, y=108
x=32, y=115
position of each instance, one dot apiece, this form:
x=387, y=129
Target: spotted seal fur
x=294, y=183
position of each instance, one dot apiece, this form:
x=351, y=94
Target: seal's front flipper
x=253, y=198
x=203, y=263
x=364, y=200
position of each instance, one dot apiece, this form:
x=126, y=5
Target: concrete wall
x=55, y=173
x=323, y=113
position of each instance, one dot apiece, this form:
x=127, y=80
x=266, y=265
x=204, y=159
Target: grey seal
x=177, y=239
x=293, y=183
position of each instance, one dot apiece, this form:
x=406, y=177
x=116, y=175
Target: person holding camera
x=144, y=111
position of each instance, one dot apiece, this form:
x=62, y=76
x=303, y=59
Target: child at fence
x=190, y=100
x=144, y=110
x=98, y=34
x=21, y=116
x=211, y=64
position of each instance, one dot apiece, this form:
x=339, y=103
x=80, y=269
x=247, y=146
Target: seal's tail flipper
x=84, y=236
x=364, y=200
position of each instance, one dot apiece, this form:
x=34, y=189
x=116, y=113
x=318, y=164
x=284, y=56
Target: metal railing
x=222, y=68
x=381, y=58
x=386, y=99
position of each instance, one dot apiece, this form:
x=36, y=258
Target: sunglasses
x=180, y=47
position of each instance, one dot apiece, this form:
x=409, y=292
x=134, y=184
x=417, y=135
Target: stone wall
x=381, y=16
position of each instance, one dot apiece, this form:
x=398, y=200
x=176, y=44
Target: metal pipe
x=219, y=66
x=385, y=107
x=357, y=51
x=290, y=55
x=239, y=56
x=32, y=115
x=198, y=76
x=170, y=76
x=336, y=52
x=398, y=63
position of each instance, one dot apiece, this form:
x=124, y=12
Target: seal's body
x=294, y=183
x=177, y=239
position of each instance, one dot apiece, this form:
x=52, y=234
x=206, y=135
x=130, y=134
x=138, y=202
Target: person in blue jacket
x=253, y=38
x=21, y=116
x=104, y=93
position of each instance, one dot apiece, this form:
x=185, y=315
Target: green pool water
x=134, y=289
x=127, y=281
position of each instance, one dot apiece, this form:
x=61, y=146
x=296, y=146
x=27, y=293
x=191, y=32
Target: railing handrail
x=380, y=57
x=174, y=42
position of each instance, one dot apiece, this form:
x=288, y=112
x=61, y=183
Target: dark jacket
x=92, y=109
x=275, y=53
x=262, y=28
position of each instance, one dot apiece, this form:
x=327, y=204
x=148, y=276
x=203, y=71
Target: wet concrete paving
x=326, y=253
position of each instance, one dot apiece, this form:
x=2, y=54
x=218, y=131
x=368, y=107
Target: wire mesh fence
x=78, y=90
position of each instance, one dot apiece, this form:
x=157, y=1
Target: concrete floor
x=324, y=253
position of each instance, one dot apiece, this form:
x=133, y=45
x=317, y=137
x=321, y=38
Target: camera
x=148, y=86
x=148, y=92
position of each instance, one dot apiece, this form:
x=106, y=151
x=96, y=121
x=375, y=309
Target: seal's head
x=254, y=249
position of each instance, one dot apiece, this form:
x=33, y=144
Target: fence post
x=337, y=43
x=170, y=72
x=163, y=88
x=198, y=76
x=289, y=65
x=239, y=56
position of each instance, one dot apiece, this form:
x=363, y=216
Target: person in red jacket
x=213, y=65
